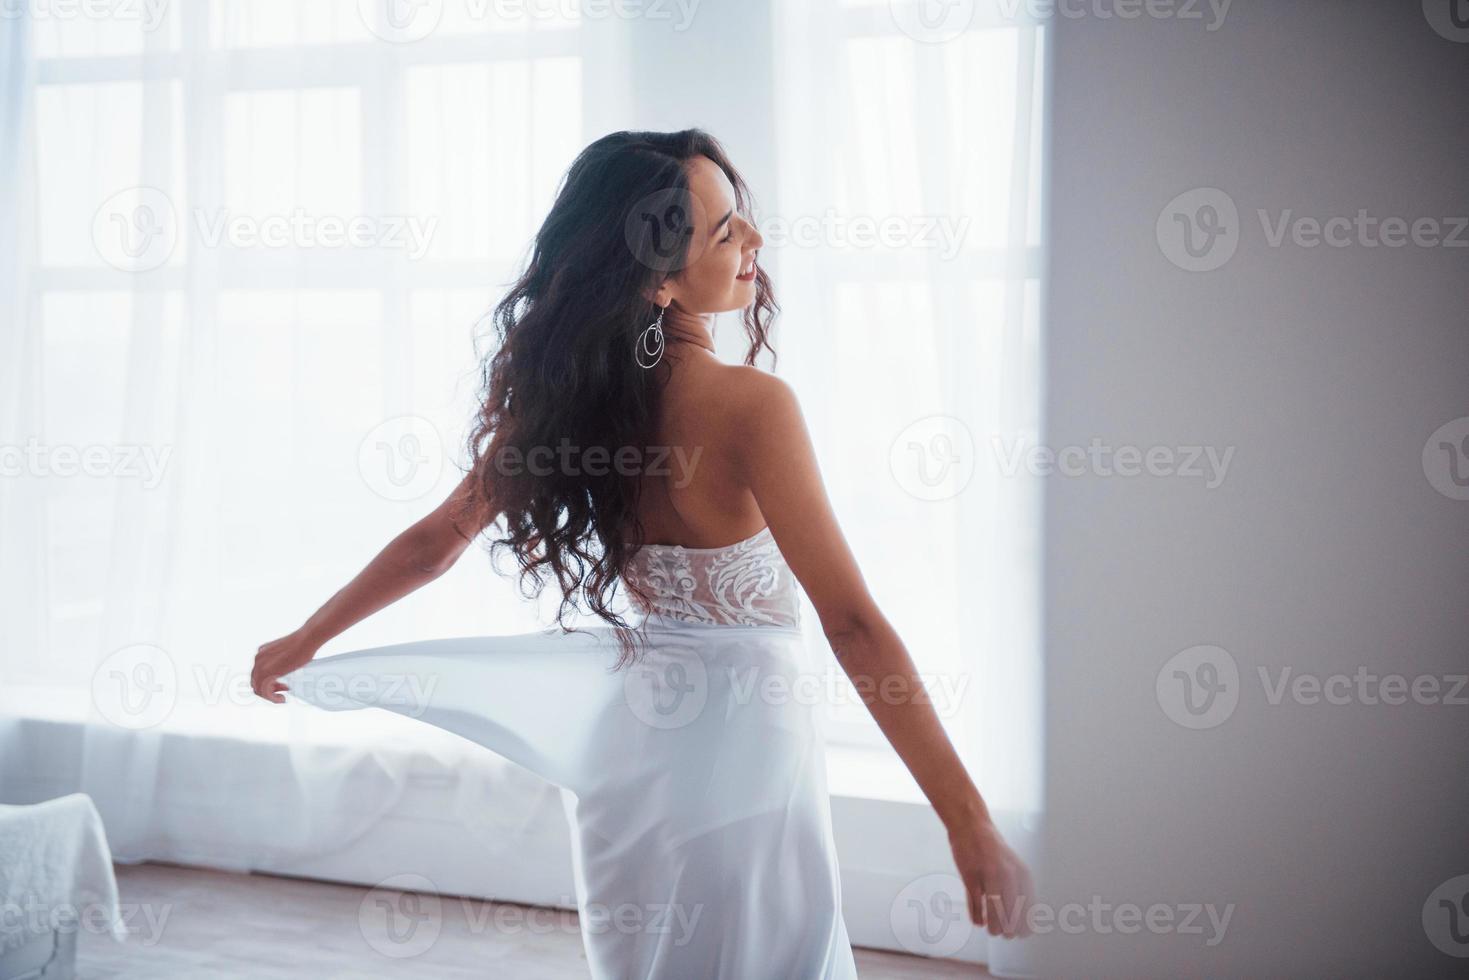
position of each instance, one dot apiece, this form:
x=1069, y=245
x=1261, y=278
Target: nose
x=755, y=239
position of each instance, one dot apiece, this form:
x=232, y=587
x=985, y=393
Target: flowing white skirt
x=696, y=778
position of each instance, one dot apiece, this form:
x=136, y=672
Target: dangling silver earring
x=649, y=349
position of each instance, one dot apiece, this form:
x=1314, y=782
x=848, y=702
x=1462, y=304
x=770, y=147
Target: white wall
x=1326, y=547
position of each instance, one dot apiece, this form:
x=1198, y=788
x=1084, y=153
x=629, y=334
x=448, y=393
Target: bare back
x=698, y=497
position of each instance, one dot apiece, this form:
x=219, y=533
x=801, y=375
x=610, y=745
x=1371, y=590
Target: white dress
x=694, y=780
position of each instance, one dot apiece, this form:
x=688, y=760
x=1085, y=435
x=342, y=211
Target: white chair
x=55, y=879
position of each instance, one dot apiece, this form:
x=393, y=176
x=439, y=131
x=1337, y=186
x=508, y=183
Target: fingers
x=995, y=909
x=1002, y=902
x=997, y=885
x=989, y=914
x=265, y=679
x=258, y=678
x=1015, y=911
x=271, y=690
x=976, y=906
x=1027, y=895
x=264, y=686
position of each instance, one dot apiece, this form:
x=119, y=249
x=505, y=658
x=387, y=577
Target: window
x=264, y=233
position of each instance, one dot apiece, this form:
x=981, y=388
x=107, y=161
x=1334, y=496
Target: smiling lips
x=749, y=272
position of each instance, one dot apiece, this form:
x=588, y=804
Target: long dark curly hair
x=563, y=372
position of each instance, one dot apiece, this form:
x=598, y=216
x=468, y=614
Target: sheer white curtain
x=251, y=242
x=908, y=236
x=254, y=242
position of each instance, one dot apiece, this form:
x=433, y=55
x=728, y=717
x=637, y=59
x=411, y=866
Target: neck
x=695, y=329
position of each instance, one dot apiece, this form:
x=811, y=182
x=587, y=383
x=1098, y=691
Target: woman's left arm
x=779, y=464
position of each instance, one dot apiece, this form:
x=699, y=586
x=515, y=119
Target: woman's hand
x=996, y=882
x=276, y=659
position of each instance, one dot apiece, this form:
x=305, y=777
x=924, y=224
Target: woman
x=614, y=449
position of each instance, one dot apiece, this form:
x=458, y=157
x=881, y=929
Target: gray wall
x=1325, y=549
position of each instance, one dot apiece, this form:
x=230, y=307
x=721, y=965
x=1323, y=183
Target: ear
x=664, y=294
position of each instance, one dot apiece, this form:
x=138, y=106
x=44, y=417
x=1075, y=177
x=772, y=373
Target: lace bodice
x=746, y=583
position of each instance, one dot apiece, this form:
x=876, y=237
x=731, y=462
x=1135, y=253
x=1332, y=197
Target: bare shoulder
x=755, y=395
x=760, y=416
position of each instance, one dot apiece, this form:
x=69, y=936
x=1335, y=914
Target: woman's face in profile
x=720, y=274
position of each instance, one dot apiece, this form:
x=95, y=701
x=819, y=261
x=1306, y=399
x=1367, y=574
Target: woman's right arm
x=410, y=561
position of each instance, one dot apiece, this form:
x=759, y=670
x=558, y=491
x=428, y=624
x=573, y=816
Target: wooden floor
x=194, y=924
